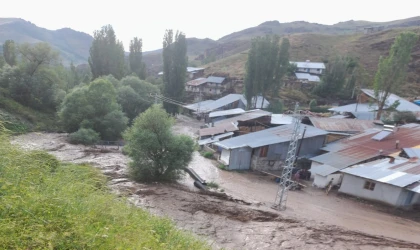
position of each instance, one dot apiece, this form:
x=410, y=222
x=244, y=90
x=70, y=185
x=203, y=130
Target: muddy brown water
x=243, y=219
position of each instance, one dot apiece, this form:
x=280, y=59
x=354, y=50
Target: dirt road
x=312, y=220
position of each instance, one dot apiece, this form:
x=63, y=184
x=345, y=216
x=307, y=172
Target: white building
x=394, y=181
x=310, y=67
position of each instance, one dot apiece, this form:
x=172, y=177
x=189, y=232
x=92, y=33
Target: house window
x=369, y=185
x=263, y=151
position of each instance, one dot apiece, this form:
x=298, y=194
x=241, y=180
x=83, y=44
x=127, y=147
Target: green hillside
x=72, y=45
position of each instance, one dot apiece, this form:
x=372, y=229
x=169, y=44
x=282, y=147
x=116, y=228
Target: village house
x=250, y=121
x=307, y=78
x=340, y=128
x=368, y=146
x=192, y=73
x=267, y=149
x=230, y=101
x=309, y=67
x=224, y=114
x=212, y=85
x=394, y=181
x=366, y=106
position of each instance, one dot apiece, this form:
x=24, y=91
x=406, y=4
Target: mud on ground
x=225, y=222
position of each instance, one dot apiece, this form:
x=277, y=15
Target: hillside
x=72, y=45
x=309, y=41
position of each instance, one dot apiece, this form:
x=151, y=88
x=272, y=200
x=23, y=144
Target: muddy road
x=242, y=219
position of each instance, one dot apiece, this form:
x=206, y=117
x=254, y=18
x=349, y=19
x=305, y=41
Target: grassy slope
x=48, y=205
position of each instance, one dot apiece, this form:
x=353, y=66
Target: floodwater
x=243, y=219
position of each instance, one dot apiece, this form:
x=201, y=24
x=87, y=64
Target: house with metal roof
x=215, y=85
x=267, y=149
x=306, y=77
x=340, y=128
x=224, y=114
x=310, y=67
x=196, y=85
x=394, y=181
x=368, y=146
x=193, y=72
x=366, y=108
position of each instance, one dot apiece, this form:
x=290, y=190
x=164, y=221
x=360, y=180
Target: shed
x=267, y=149
x=392, y=181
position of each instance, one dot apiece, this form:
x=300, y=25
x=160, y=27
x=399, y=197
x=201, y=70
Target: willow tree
x=392, y=70
x=174, y=68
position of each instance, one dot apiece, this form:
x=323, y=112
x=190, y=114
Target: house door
x=409, y=198
x=244, y=159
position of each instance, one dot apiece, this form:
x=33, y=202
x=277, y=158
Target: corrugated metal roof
x=341, y=125
x=339, y=116
x=415, y=187
x=248, y=115
x=268, y=136
x=362, y=147
x=403, y=106
x=309, y=65
x=383, y=171
x=223, y=128
x=323, y=170
x=214, y=139
x=237, y=111
x=412, y=152
x=196, y=82
x=281, y=119
x=198, y=105
x=228, y=99
x=306, y=76
x=193, y=69
x=215, y=79
x=355, y=107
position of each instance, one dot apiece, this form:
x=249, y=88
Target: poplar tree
x=135, y=58
x=106, y=54
x=9, y=52
x=392, y=70
x=174, y=68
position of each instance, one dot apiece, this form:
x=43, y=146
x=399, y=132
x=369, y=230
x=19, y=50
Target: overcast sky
x=213, y=19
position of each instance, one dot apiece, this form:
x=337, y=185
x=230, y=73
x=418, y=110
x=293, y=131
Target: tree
x=174, y=68
x=392, y=69
x=334, y=79
x=107, y=54
x=267, y=64
x=156, y=152
x=9, y=52
x=133, y=95
x=135, y=58
x=36, y=56
x=94, y=107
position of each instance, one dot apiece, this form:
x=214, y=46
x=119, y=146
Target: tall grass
x=48, y=205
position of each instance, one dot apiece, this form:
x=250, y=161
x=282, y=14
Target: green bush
x=208, y=155
x=212, y=184
x=313, y=103
x=48, y=205
x=84, y=136
x=222, y=167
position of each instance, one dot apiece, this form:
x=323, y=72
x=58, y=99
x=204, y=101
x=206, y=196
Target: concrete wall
x=322, y=181
x=386, y=193
x=224, y=156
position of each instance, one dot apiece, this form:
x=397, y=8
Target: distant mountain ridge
x=72, y=45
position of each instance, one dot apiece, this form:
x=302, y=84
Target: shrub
x=84, y=136
x=208, y=155
x=157, y=153
x=212, y=184
x=403, y=117
x=222, y=167
x=313, y=104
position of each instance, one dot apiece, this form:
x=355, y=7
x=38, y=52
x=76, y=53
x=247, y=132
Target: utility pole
x=286, y=177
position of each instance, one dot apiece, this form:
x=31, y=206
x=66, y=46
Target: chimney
x=397, y=143
x=391, y=159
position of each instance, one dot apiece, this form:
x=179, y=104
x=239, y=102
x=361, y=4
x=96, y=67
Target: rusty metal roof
x=342, y=125
x=197, y=82
x=362, y=147
x=220, y=129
